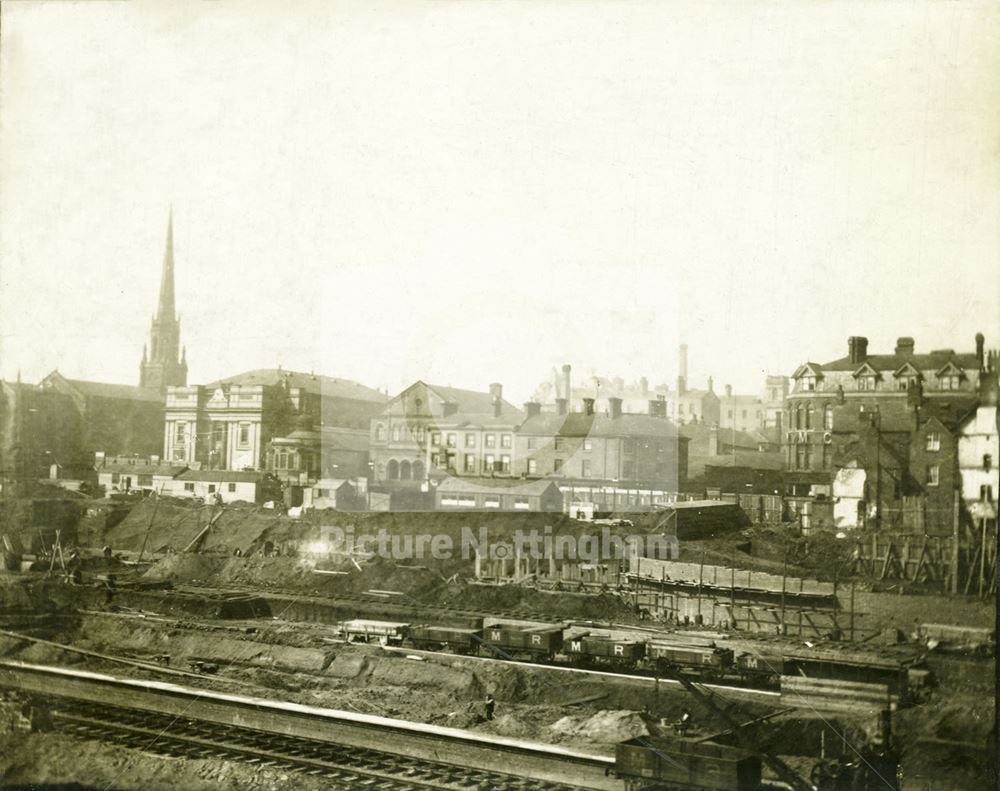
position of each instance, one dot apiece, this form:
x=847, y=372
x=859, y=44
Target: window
x=828, y=417
x=505, y=463
x=489, y=462
x=115, y=477
x=491, y=440
x=933, y=475
x=420, y=433
x=452, y=440
x=933, y=441
x=180, y=433
x=491, y=502
x=231, y=488
x=799, y=416
x=188, y=487
x=986, y=493
x=866, y=383
x=436, y=438
x=379, y=432
x=505, y=441
x=949, y=382
x=532, y=467
x=588, y=444
x=628, y=446
x=244, y=434
x=628, y=469
x=211, y=488
x=987, y=462
x=906, y=382
x=521, y=503
x=470, y=440
x=560, y=443
x=680, y=409
x=808, y=383
x=557, y=465
x=470, y=462
x=532, y=443
x=395, y=433
x=585, y=468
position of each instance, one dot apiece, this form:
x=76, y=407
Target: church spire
x=162, y=368
x=166, y=308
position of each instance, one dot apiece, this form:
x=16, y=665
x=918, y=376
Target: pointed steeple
x=166, y=309
x=161, y=368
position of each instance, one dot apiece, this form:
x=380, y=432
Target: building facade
x=228, y=424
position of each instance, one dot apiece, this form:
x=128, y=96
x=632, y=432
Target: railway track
x=339, y=746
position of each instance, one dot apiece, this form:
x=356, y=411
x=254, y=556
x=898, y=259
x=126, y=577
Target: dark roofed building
x=500, y=495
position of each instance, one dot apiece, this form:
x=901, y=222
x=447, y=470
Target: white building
x=978, y=451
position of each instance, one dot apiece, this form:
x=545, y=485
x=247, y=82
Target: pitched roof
x=493, y=485
x=170, y=470
x=122, y=392
x=344, y=439
x=325, y=386
x=221, y=476
x=932, y=361
x=727, y=436
x=472, y=401
x=465, y=419
x=579, y=424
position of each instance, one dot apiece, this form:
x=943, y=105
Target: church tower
x=164, y=364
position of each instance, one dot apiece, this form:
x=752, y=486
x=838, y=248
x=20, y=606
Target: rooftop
x=325, y=386
x=580, y=424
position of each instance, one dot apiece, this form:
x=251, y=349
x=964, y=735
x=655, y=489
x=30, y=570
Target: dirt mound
x=185, y=567
x=608, y=727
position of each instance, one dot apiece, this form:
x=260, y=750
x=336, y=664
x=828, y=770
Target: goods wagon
x=760, y=668
x=701, y=660
x=383, y=632
x=464, y=641
x=627, y=653
x=654, y=762
x=505, y=640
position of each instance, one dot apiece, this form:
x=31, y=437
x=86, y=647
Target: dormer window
x=866, y=382
x=906, y=382
x=807, y=383
x=949, y=382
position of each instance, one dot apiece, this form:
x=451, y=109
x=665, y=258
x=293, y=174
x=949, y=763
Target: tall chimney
x=532, y=409
x=614, y=407
x=857, y=348
x=729, y=391
x=980, y=345
x=561, y=404
x=904, y=345
x=588, y=406
x=496, y=396
x=682, y=370
x=566, y=381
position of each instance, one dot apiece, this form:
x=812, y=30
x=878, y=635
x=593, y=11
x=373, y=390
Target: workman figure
x=490, y=705
x=684, y=723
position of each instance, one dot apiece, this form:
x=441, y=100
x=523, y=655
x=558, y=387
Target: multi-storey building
x=740, y=412
x=876, y=432
x=979, y=450
x=228, y=424
x=425, y=426
x=775, y=393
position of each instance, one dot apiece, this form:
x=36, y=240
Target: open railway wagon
x=587, y=650
x=381, y=632
x=654, y=763
x=457, y=639
x=707, y=662
x=507, y=641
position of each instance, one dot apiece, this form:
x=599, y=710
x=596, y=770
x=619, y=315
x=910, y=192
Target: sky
x=470, y=192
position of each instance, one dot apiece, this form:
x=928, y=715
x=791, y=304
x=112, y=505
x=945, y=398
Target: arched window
x=392, y=470
x=404, y=470
x=798, y=416
x=809, y=416
x=395, y=433
x=828, y=417
x=418, y=471
x=379, y=432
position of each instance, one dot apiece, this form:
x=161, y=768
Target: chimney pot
x=532, y=408
x=615, y=407
x=729, y=391
x=566, y=369
x=561, y=404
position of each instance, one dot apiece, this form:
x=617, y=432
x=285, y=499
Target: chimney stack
x=713, y=441
x=644, y=385
x=682, y=370
x=588, y=406
x=857, y=349
x=496, y=396
x=532, y=409
x=729, y=391
x=614, y=407
x=561, y=404
x=566, y=382
x=904, y=345
x=711, y=385
x=657, y=407
x=980, y=345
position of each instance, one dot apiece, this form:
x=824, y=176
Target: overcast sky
x=468, y=192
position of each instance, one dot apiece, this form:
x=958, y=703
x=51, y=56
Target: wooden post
x=784, y=572
x=954, y=544
x=852, y=611
x=701, y=569
x=982, y=560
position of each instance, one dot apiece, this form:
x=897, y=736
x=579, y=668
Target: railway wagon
x=760, y=668
x=382, y=632
x=702, y=660
x=464, y=641
x=665, y=764
x=604, y=650
x=505, y=640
